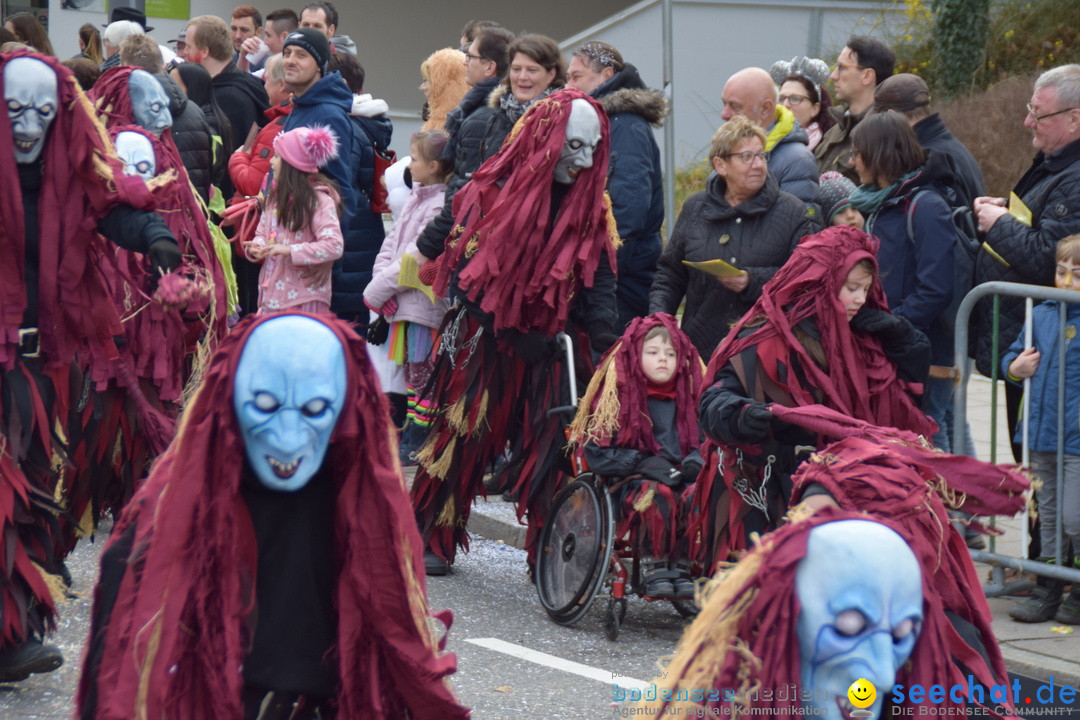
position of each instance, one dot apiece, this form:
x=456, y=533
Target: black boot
x=1042, y=604
x=435, y=565
x=1069, y=611
x=658, y=578
x=33, y=656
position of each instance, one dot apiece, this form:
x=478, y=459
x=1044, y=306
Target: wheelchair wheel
x=616, y=613
x=575, y=548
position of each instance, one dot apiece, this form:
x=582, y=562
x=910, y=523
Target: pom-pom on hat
x=307, y=148
x=835, y=194
x=312, y=41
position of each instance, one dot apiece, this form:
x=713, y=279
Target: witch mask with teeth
x=31, y=99
x=287, y=403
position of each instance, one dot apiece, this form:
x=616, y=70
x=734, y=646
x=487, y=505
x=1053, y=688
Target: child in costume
x=270, y=566
x=414, y=318
x=1040, y=363
x=821, y=334
x=638, y=422
x=299, y=234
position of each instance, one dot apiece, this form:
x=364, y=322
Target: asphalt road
x=498, y=623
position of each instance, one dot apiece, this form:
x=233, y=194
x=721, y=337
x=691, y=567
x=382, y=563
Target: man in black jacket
x=239, y=94
x=908, y=95
x=485, y=66
x=635, y=175
x=1016, y=251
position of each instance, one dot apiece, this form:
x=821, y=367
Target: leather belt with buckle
x=29, y=343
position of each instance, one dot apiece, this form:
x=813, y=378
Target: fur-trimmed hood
x=649, y=104
x=625, y=92
x=496, y=95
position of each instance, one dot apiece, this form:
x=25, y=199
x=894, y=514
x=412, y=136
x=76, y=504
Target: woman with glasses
x=742, y=218
x=904, y=204
x=802, y=91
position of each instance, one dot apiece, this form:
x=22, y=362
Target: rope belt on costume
x=29, y=343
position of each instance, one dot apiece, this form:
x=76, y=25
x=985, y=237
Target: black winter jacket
x=243, y=99
x=191, y=134
x=968, y=181
x=635, y=183
x=1014, y=252
x=483, y=127
x=757, y=236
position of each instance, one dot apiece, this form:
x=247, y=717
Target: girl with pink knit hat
x=299, y=234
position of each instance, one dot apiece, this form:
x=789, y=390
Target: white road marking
x=551, y=661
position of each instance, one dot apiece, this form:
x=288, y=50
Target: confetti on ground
x=1062, y=630
x=503, y=688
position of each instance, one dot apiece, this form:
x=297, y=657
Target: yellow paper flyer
x=717, y=267
x=409, y=276
x=1019, y=210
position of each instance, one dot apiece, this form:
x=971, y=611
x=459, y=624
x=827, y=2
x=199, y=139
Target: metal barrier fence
x=963, y=316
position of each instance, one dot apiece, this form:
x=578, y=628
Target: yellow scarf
x=785, y=123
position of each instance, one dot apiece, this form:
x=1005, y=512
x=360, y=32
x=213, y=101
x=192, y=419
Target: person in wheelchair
x=821, y=333
x=637, y=425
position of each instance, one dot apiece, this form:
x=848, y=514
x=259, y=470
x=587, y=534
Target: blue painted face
x=289, y=392
x=861, y=594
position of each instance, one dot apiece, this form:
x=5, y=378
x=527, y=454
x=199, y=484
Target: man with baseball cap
x=321, y=97
x=908, y=95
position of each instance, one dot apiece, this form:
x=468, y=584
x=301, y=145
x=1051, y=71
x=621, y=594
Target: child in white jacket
x=414, y=319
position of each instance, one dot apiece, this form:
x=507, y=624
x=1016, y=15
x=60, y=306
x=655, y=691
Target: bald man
x=752, y=94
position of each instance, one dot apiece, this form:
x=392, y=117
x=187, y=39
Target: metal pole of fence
x=1025, y=457
x=1060, y=474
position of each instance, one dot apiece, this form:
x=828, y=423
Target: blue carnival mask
x=137, y=154
x=289, y=391
x=149, y=101
x=860, y=589
x=31, y=100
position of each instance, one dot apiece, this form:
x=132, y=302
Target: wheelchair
x=579, y=556
x=578, y=553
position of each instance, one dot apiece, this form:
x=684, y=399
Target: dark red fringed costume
x=521, y=262
x=157, y=337
x=856, y=378
x=172, y=643
x=81, y=180
x=893, y=474
x=745, y=638
x=614, y=413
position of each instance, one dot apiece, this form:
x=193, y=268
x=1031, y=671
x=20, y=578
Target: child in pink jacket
x=299, y=234
x=414, y=319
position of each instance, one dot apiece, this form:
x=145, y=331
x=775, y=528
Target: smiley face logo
x=862, y=693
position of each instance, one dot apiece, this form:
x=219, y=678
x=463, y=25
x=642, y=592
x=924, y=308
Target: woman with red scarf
x=638, y=425
x=822, y=334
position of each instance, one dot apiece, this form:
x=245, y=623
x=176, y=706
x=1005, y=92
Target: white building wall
x=715, y=38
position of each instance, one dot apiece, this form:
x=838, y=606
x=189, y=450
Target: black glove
x=690, y=470
x=658, y=469
x=890, y=329
x=753, y=422
x=378, y=330
x=602, y=341
x=164, y=255
x=531, y=347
